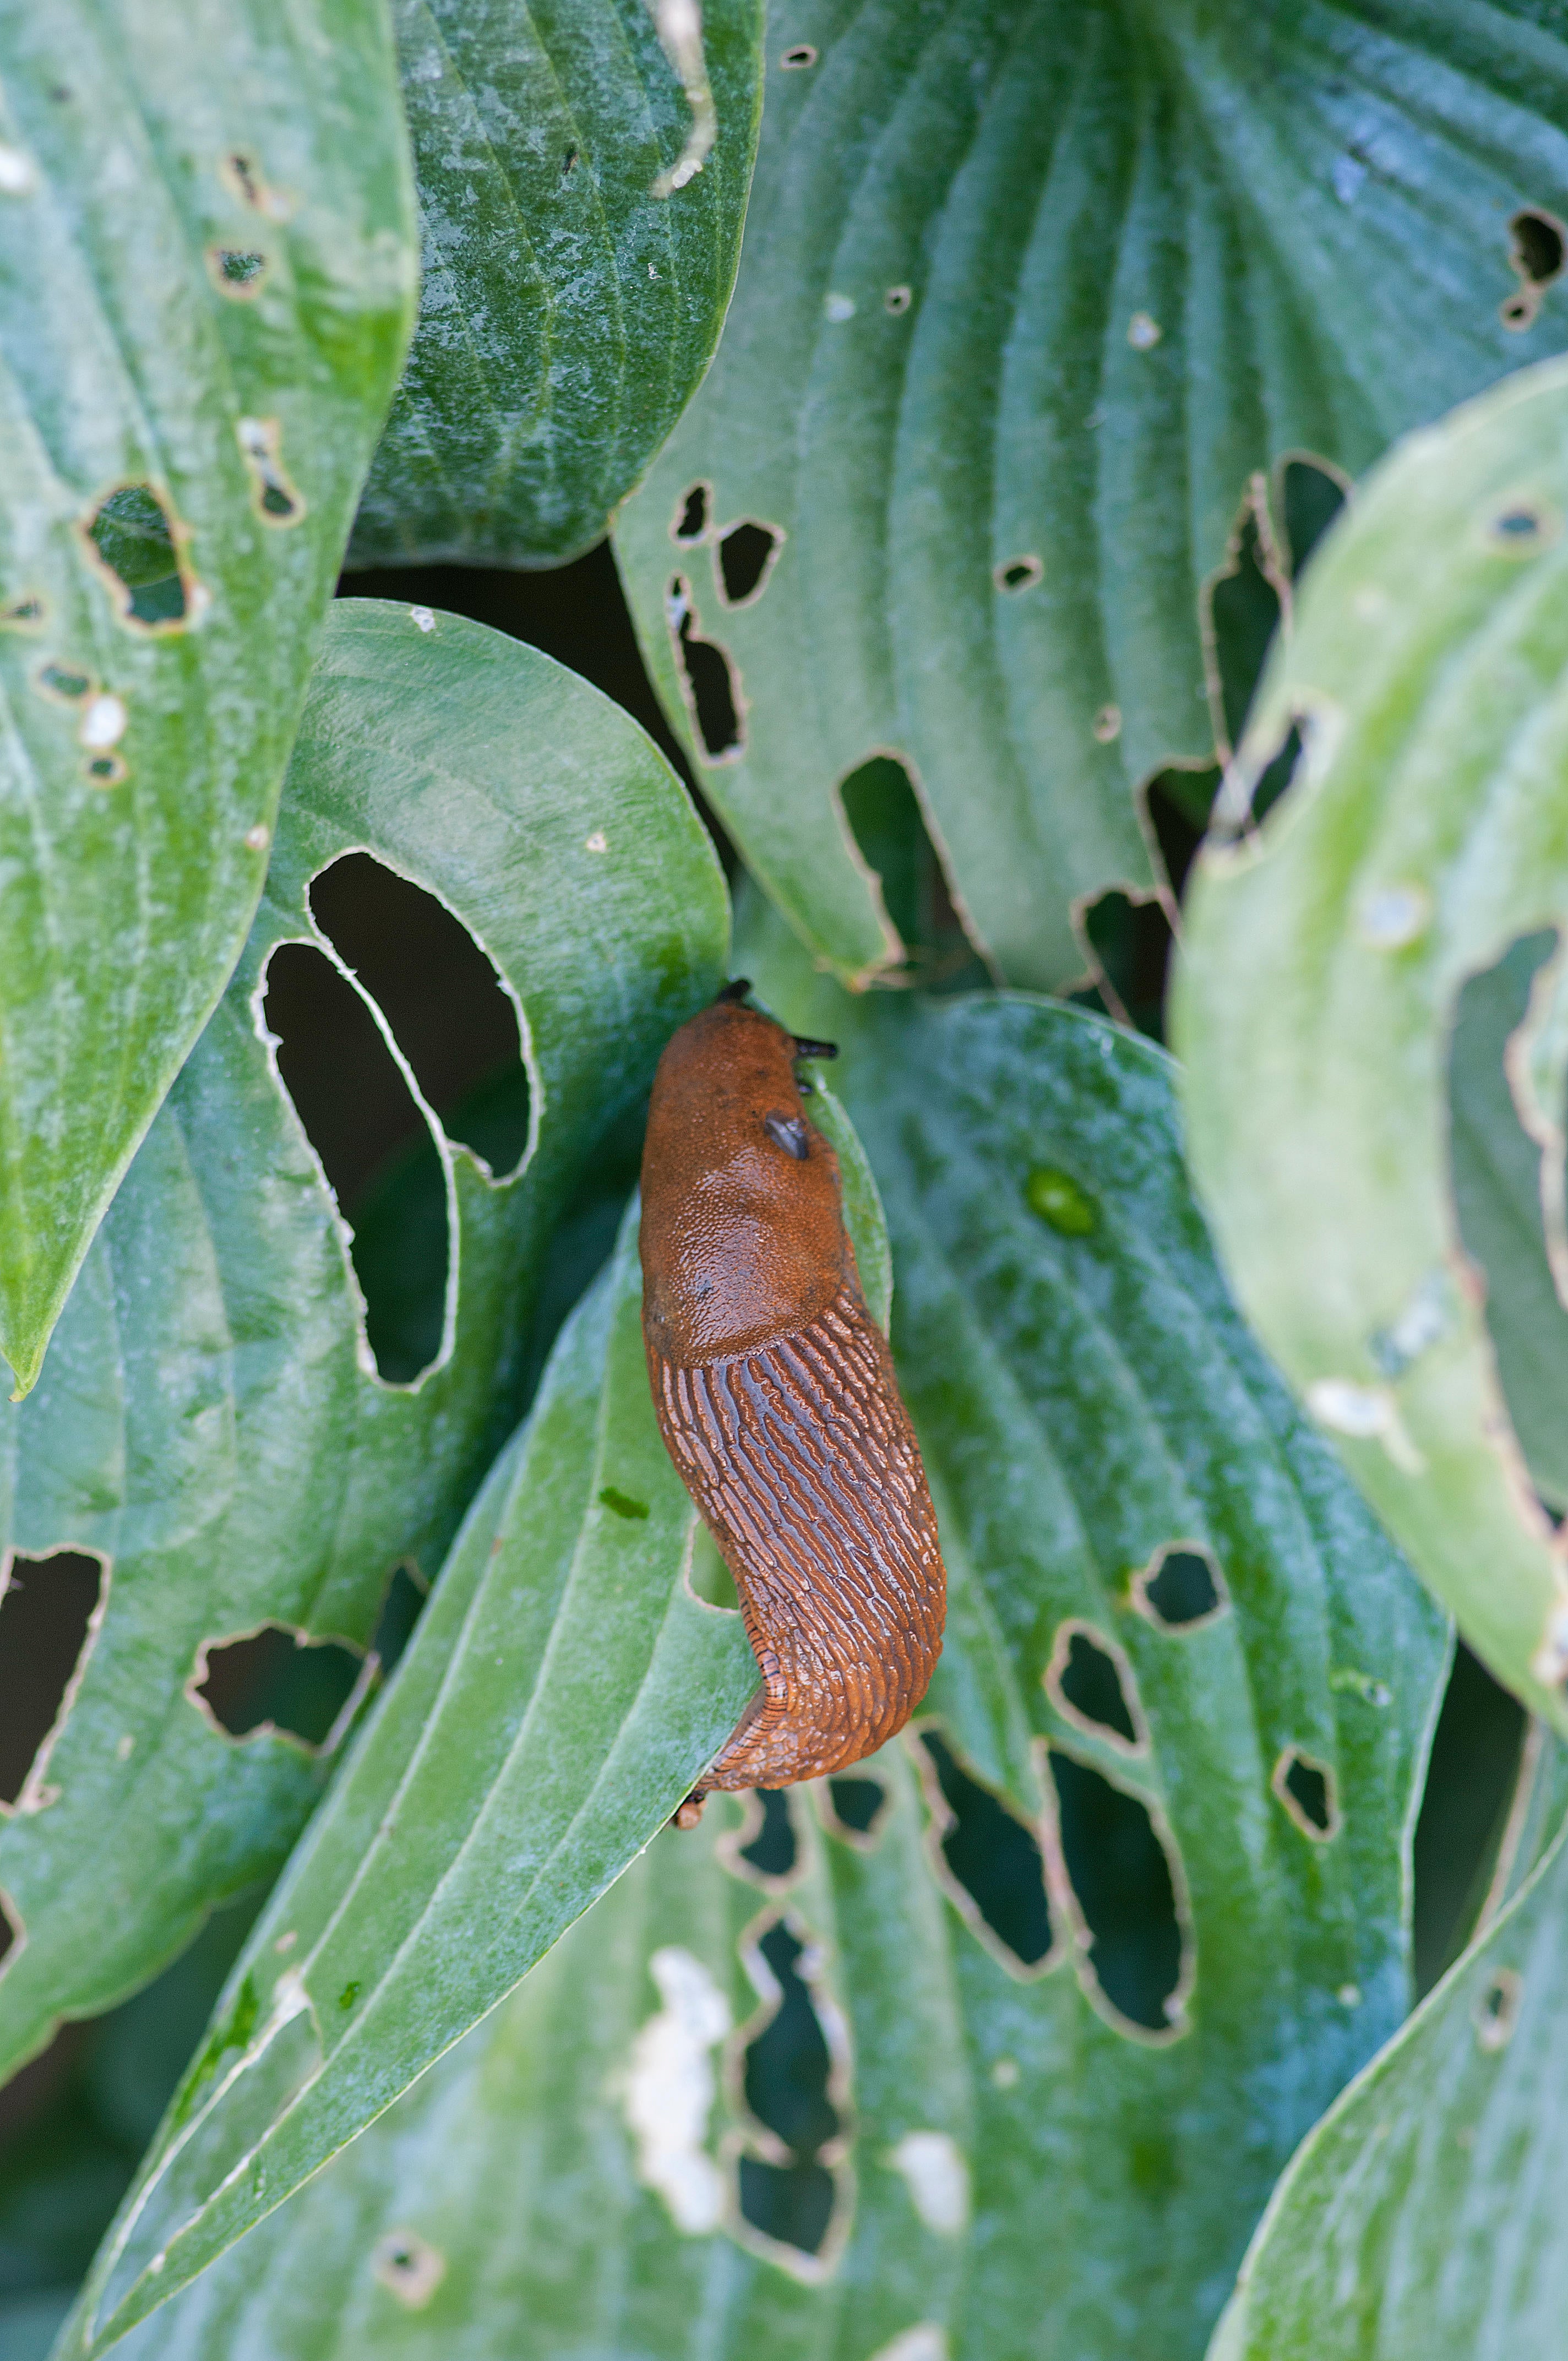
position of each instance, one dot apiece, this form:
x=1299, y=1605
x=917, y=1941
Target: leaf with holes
x=557, y=1700
x=1034, y=295
x=212, y=1427
x=999, y=2042
x=1328, y=957
x=208, y=258
x=582, y=178
x=1424, y=2214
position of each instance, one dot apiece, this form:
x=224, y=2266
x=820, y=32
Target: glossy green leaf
x=209, y=1421
x=207, y=273
x=1426, y=832
x=999, y=2164
x=573, y=296
x=559, y=1697
x=1032, y=291
x=1422, y=2219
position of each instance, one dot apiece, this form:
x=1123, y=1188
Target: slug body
x=777, y=1397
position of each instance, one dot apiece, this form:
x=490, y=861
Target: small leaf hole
x=1306, y=1789
x=712, y=690
x=237, y=271
x=1182, y=1588
x=691, y=519
x=410, y=2266
x=374, y=1149
x=856, y=1807
x=746, y=555
x=1536, y=244
x=1019, y=574
x=1498, y=2009
x=273, y=496
x=1122, y=1876
x=796, y=60
x=278, y=1678
x=788, y=2196
x=1087, y=1684
x=991, y=1865
x=51, y=1609
x=135, y=544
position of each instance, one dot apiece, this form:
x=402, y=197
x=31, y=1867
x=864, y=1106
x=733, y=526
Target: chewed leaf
x=556, y=1701
x=582, y=184
x=1421, y=2217
x=154, y=643
x=1033, y=300
x=1406, y=889
x=320, y=1385
x=973, y=2037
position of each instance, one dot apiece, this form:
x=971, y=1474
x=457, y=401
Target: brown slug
x=776, y=1398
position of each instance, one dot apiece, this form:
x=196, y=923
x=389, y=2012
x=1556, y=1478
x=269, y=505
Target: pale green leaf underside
x=1422, y=2219
x=568, y=310
x=1041, y=285
x=1112, y=2181
x=207, y=1419
x=560, y=1696
x=1427, y=831
x=153, y=154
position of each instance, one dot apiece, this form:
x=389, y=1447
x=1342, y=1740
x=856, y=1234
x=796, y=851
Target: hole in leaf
x=51, y=1609
x=135, y=541
x=1129, y=944
x=889, y=829
x=858, y=1804
x=237, y=270
x=691, y=524
x=24, y=614
x=785, y=2078
x=273, y=496
x=711, y=691
x=1311, y=499
x=1498, y=2009
x=795, y=60
x=772, y=1851
x=1019, y=574
x=1496, y=1173
x=409, y=2265
x=10, y=1930
x=1470, y=1784
x=1182, y=1587
x=746, y=557
x=374, y=1149
x=443, y=996
x=1536, y=248
x=995, y=1871
x=1121, y=1873
x=1179, y=803
x=897, y=300
x=1243, y=615
x=63, y=681
x=1306, y=1788
x=278, y=1678
x=1085, y=1681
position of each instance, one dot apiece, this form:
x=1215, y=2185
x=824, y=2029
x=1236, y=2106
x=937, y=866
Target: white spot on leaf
x=670, y=2088
x=838, y=308
x=1393, y=916
x=409, y=2265
x=423, y=617
x=18, y=174
x=103, y=722
x=598, y=842
x=927, y=2342
x=938, y=2176
x=1143, y=332
x=1369, y=1413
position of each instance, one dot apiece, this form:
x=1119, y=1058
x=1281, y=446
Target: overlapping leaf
x=582, y=189
x=1427, y=832
x=1421, y=2221
x=208, y=264
x=1031, y=290
x=1011, y=2168
x=209, y=1419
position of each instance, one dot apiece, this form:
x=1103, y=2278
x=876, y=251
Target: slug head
x=742, y=1232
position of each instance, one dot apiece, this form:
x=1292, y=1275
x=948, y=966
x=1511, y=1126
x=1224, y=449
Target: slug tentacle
x=777, y=1397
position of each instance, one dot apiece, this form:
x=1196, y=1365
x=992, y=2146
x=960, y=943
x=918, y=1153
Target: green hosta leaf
x=558, y=1698
x=1326, y=959
x=208, y=267
x=208, y=1419
x=986, y=2154
x=573, y=297
x=1031, y=289
x=1421, y=2221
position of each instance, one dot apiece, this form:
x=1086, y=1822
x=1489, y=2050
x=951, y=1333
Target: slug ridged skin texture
x=775, y=1394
